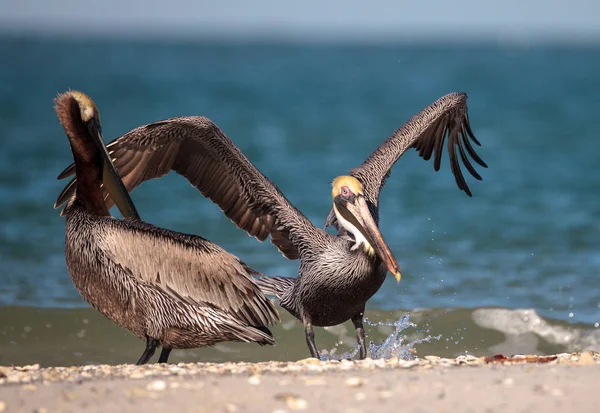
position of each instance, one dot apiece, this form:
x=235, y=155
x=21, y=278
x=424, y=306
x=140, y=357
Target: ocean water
x=515, y=268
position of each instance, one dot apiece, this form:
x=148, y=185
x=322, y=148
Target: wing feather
x=189, y=267
x=446, y=118
x=197, y=149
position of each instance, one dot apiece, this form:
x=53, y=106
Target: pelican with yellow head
x=353, y=214
x=338, y=273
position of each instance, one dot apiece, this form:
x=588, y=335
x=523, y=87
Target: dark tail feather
x=276, y=286
x=267, y=337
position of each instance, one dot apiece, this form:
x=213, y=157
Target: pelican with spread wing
x=338, y=273
x=171, y=289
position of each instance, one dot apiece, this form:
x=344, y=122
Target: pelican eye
x=346, y=192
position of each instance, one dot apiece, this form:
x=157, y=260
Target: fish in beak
x=355, y=211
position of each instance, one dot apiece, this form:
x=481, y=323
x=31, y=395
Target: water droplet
x=394, y=345
x=570, y=315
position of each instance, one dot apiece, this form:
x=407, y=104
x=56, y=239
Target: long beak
x=369, y=229
x=112, y=181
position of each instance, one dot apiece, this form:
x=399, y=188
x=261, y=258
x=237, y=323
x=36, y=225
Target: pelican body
x=171, y=289
x=338, y=273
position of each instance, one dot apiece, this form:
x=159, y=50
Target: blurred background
x=307, y=91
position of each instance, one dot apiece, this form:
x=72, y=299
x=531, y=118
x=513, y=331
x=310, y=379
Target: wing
x=197, y=149
x=447, y=117
x=426, y=132
x=189, y=268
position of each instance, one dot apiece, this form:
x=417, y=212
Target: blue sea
x=515, y=268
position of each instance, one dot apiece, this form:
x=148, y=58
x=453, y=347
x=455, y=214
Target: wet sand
x=550, y=384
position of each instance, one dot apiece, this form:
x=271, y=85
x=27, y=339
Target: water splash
x=394, y=345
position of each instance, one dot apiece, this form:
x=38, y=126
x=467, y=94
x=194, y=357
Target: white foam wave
x=526, y=331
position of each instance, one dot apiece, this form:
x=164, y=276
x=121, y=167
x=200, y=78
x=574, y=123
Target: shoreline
x=431, y=383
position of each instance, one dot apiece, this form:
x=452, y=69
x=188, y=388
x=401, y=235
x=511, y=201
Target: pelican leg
x=164, y=355
x=310, y=340
x=151, y=344
x=357, y=320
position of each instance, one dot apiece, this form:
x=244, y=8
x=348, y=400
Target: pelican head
x=87, y=107
x=353, y=214
x=80, y=118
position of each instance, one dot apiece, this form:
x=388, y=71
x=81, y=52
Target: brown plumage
x=338, y=273
x=172, y=289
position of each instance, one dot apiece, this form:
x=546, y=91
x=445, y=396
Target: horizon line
x=469, y=36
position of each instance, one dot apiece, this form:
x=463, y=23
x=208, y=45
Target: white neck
x=359, y=238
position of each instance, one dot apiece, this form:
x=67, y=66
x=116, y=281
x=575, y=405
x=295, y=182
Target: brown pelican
x=338, y=273
x=171, y=289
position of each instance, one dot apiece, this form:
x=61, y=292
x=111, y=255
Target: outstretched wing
x=197, y=149
x=446, y=118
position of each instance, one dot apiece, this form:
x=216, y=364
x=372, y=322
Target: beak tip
x=398, y=276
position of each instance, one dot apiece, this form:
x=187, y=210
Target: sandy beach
x=465, y=384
